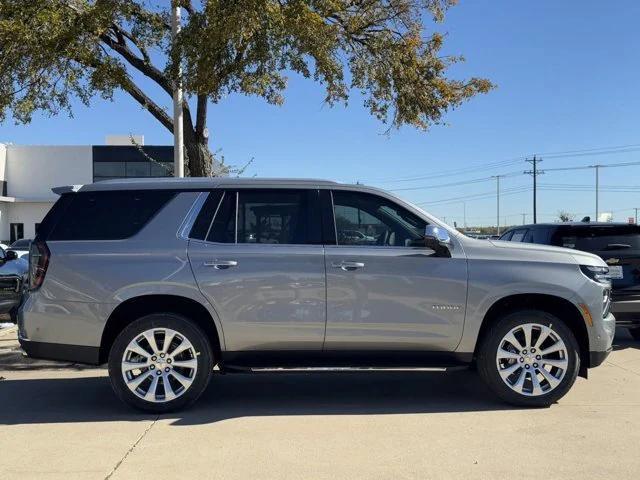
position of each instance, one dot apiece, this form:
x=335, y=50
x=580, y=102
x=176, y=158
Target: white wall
x=28, y=214
x=31, y=171
x=3, y=160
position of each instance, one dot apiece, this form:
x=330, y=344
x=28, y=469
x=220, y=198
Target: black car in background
x=618, y=244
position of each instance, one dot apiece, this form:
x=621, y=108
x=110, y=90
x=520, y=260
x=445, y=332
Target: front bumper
x=627, y=312
x=597, y=358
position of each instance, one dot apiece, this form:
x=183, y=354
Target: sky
x=566, y=75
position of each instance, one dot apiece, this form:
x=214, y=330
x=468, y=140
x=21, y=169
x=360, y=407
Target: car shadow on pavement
x=624, y=340
x=90, y=399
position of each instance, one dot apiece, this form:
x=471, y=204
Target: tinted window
x=506, y=236
x=24, y=243
x=518, y=235
x=537, y=235
x=208, y=210
x=599, y=238
x=223, y=229
x=365, y=219
x=108, y=215
x=275, y=216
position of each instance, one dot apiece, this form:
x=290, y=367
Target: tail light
x=38, y=262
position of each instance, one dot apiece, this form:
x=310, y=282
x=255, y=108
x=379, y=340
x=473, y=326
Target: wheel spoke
x=544, y=333
x=514, y=341
x=153, y=389
x=168, y=337
x=553, y=381
x=527, y=334
x=185, y=345
x=136, y=348
x=134, y=383
x=555, y=363
x=506, y=372
x=169, y=394
x=128, y=366
x=191, y=363
x=502, y=353
x=185, y=381
x=537, y=389
x=556, y=347
x=151, y=338
x=519, y=384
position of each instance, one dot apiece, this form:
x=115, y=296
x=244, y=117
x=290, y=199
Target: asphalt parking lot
x=63, y=421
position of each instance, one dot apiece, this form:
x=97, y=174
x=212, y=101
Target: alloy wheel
x=159, y=365
x=532, y=359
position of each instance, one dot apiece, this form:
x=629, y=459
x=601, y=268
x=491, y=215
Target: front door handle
x=221, y=264
x=348, y=266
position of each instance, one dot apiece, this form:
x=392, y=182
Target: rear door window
x=537, y=235
x=269, y=216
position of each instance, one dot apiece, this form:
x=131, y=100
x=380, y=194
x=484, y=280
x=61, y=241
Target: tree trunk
x=198, y=157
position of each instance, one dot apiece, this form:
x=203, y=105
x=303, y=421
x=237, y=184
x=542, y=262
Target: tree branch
x=147, y=69
x=132, y=89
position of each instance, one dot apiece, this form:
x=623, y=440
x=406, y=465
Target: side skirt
x=337, y=359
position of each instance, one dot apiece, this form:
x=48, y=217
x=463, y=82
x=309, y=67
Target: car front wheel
x=160, y=363
x=529, y=358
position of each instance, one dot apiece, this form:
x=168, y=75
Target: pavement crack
x=623, y=368
x=135, y=444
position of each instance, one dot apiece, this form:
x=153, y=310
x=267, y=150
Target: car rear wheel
x=529, y=358
x=160, y=363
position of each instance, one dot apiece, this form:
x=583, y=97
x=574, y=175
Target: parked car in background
x=618, y=244
x=164, y=278
x=21, y=247
x=13, y=274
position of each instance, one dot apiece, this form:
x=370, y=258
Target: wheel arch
x=558, y=306
x=138, y=306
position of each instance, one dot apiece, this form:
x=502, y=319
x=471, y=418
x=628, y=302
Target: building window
x=117, y=161
x=16, y=231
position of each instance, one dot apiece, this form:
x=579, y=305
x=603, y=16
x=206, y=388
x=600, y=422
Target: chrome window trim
x=213, y=218
x=192, y=214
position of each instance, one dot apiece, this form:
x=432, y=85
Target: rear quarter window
x=110, y=215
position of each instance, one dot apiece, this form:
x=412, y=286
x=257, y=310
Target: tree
x=54, y=50
x=565, y=216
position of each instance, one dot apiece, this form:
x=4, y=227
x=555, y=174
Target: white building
x=29, y=172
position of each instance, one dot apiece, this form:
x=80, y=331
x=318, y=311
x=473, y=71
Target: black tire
x=187, y=329
x=635, y=333
x=488, y=350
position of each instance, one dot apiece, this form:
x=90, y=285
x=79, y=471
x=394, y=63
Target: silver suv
x=166, y=279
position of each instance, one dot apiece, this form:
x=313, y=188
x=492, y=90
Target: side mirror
x=437, y=239
x=10, y=255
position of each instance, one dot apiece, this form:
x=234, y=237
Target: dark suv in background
x=618, y=244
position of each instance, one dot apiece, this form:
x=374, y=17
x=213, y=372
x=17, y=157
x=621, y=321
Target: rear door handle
x=348, y=266
x=221, y=264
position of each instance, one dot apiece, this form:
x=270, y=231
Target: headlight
x=597, y=274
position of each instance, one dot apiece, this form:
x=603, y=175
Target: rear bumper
x=61, y=352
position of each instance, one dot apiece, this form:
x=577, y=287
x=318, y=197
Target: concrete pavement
x=62, y=421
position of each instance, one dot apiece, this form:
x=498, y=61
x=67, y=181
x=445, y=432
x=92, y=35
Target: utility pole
x=497, y=177
x=178, y=133
x=597, y=167
x=524, y=217
x=534, y=172
x=464, y=214
x=636, y=209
